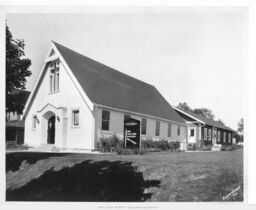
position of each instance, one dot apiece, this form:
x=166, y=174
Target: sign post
x=132, y=133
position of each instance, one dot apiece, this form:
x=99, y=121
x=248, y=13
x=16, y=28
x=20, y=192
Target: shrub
x=174, y=146
x=109, y=144
x=230, y=147
x=113, y=144
x=162, y=145
x=126, y=151
x=146, y=144
x=192, y=146
x=207, y=147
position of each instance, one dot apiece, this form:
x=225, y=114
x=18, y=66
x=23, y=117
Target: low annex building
x=76, y=101
x=205, y=131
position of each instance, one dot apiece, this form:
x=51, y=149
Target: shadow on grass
x=14, y=160
x=87, y=181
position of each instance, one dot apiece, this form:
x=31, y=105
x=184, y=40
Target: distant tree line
x=201, y=111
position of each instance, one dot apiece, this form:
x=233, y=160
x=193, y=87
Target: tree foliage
x=184, y=106
x=17, y=69
x=241, y=126
x=205, y=112
x=220, y=121
x=201, y=111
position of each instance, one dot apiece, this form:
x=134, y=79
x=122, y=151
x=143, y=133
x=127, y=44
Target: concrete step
x=45, y=148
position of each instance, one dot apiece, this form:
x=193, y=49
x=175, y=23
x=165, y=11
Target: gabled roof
x=203, y=119
x=108, y=87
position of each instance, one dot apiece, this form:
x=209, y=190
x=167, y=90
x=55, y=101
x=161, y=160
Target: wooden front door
x=191, y=135
x=51, y=130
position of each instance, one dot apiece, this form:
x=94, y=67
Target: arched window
x=54, y=76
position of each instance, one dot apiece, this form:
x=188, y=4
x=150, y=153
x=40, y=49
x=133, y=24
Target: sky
x=193, y=57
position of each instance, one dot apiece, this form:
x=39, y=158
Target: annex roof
x=108, y=87
x=205, y=120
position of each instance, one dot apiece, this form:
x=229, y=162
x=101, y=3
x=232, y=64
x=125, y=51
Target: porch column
x=200, y=134
x=64, y=127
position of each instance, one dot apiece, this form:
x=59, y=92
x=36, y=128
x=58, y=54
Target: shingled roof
x=108, y=87
x=206, y=120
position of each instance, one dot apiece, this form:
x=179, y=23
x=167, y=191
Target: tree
x=238, y=137
x=16, y=71
x=205, y=112
x=201, y=111
x=184, y=106
x=220, y=121
x=241, y=126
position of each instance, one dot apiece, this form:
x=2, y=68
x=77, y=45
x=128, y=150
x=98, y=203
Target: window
x=210, y=134
x=34, y=121
x=143, y=126
x=205, y=133
x=178, y=131
x=75, y=117
x=126, y=116
x=51, y=90
x=218, y=136
x=57, y=81
x=54, y=76
x=169, y=132
x=157, y=132
x=224, y=137
x=192, y=132
x=105, y=120
x=229, y=137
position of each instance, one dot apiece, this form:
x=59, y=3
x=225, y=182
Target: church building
x=77, y=100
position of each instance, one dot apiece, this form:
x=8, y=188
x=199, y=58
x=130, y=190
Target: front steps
x=51, y=148
x=45, y=148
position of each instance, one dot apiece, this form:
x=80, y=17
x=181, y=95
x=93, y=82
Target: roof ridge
x=111, y=88
x=207, y=118
x=80, y=54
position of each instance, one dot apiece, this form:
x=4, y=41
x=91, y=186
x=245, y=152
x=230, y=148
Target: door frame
x=191, y=128
x=53, y=119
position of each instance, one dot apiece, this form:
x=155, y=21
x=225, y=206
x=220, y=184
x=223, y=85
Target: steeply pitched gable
x=108, y=87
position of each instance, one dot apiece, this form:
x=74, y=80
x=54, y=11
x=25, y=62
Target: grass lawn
x=166, y=176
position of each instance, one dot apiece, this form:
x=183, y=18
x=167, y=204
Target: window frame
x=157, y=130
x=178, y=130
x=57, y=81
x=218, y=136
x=192, y=129
x=105, y=120
x=229, y=138
x=54, y=76
x=50, y=81
x=210, y=134
x=224, y=136
x=169, y=130
x=205, y=133
x=74, y=111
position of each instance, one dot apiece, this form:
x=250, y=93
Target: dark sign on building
x=132, y=133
